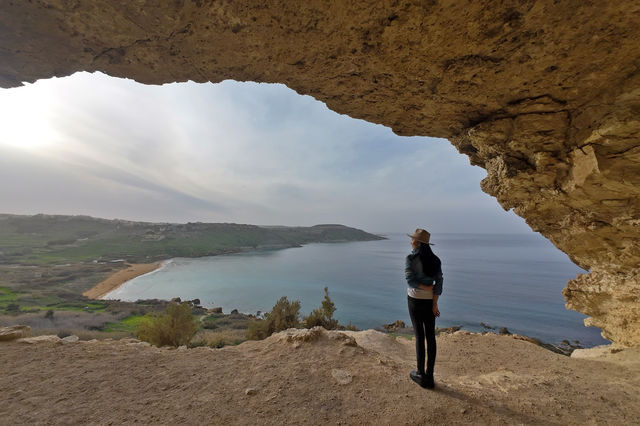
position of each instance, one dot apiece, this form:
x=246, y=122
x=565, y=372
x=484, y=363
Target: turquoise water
x=512, y=281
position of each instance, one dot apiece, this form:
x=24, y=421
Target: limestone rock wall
x=545, y=95
x=575, y=177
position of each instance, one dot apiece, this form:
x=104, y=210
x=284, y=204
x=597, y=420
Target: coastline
x=131, y=271
x=225, y=268
x=117, y=279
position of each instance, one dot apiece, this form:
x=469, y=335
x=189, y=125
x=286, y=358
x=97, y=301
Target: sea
x=490, y=280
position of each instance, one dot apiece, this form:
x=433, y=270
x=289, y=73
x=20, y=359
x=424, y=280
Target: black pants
x=424, y=324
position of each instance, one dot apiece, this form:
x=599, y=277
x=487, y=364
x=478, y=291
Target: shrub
x=323, y=316
x=13, y=308
x=283, y=315
x=257, y=329
x=209, y=322
x=49, y=314
x=224, y=337
x=197, y=344
x=175, y=328
x=218, y=343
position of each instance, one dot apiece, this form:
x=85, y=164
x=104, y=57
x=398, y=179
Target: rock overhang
x=544, y=95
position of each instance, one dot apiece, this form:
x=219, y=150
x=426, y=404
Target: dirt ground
x=315, y=377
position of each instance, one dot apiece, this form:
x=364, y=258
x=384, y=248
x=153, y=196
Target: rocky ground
x=315, y=377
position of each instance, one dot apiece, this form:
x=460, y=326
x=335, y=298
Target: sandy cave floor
x=314, y=377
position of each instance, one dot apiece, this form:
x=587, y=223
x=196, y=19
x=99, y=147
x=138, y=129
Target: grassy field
x=49, y=300
x=7, y=297
x=128, y=324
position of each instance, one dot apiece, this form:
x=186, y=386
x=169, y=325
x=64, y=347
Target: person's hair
x=430, y=262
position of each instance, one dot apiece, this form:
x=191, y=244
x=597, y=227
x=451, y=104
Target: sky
x=236, y=152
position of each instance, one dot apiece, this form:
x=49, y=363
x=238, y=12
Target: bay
x=508, y=280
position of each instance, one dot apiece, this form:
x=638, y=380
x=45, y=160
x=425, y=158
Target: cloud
x=233, y=152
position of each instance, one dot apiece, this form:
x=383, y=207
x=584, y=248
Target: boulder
x=448, y=330
x=198, y=310
x=597, y=351
x=14, y=332
x=40, y=339
x=394, y=326
x=70, y=339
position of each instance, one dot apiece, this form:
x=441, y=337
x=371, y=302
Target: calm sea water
x=512, y=281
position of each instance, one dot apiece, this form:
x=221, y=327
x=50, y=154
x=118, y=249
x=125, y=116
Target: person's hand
x=436, y=311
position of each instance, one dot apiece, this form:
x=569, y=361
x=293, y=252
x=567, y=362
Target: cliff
x=314, y=377
x=543, y=94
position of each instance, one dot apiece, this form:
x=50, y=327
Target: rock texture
x=53, y=339
x=543, y=94
x=14, y=332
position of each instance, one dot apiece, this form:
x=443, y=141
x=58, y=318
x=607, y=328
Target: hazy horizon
x=231, y=152
x=268, y=225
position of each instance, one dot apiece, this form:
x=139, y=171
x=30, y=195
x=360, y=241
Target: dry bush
x=283, y=315
x=323, y=316
x=175, y=328
x=218, y=338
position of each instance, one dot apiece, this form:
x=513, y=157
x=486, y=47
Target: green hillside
x=49, y=239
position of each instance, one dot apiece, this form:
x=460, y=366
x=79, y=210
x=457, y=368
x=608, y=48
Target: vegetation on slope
x=47, y=239
x=47, y=262
x=286, y=314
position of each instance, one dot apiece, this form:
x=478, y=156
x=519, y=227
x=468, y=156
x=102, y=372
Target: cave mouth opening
x=239, y=152
x=236, y=147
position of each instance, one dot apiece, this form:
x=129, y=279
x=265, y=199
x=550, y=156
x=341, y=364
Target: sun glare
x=25, y=118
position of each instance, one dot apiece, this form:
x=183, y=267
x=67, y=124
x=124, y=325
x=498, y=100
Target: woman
x=424, y=277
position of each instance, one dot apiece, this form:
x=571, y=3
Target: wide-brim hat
x=421, y=235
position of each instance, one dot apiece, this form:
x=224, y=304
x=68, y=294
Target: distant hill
x=46, y=239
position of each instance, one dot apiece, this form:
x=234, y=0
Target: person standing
x=423, y=272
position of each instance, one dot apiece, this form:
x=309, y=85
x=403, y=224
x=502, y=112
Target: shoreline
x=116, y=280
x=131, y=271
x=564, y=347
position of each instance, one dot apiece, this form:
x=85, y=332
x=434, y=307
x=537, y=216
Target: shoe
x=417, y=377
x=428, y=381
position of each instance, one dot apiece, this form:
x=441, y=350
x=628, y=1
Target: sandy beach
x=122, y=276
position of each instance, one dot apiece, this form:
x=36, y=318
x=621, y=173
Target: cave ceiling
x=545, y=95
